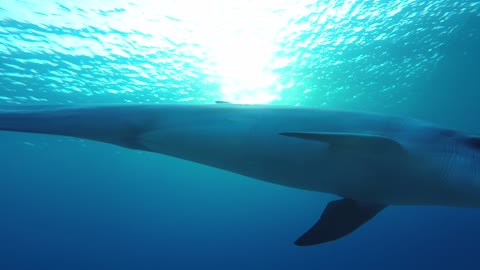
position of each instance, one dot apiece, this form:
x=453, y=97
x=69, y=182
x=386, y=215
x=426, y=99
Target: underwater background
x=73, y=204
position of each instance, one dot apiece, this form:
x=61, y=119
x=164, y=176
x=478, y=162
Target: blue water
x=74, y=204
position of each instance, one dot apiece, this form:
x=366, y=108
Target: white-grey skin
x=368, y=158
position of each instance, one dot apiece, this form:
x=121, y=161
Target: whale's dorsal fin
x=339, y=218
x=370, y=143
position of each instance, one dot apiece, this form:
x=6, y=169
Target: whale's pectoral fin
x=353, y=141
x=339, y=218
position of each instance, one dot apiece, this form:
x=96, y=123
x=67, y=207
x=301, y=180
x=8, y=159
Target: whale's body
x=369, y=160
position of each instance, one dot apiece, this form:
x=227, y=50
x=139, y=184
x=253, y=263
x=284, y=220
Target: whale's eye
x=474, y=142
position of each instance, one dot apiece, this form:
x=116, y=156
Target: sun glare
x=234, y=43
x=240, y=36
x=242, y=41
x=244, y=66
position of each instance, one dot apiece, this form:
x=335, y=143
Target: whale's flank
x=368, y=160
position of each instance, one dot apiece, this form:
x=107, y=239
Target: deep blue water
x=73, y=204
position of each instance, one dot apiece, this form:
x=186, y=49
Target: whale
x=368, y=160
